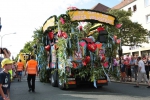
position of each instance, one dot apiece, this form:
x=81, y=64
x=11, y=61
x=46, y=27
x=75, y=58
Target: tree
x=28, y=47
x=131, y=33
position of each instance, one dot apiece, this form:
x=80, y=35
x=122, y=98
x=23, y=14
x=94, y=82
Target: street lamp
x=3, y=36
x=0, y=24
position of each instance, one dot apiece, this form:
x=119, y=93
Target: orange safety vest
x=32, y=66
x=20, y=66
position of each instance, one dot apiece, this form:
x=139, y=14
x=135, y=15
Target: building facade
x=141, y=15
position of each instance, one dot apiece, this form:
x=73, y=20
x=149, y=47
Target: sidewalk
x=133, y=82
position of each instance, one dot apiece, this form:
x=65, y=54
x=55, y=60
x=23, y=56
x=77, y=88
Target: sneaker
x=148, y=87
x=33, y=91
x=136, y=86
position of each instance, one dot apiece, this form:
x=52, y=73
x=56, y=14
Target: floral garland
x=68, y=36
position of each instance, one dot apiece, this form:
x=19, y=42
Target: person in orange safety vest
x=32, y=70
x=20, y=68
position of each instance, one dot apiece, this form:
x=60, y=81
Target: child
x=122, y=70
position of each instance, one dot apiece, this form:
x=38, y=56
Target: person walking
x=5, y=79
x=128, y=69
x=123, y=71
x=132, y=64
x=32, y=69
x=20, y=68
x=136, y=68
x=141, y=73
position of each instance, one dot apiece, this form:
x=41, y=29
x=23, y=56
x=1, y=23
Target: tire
x=54, y=79
x=61, y=84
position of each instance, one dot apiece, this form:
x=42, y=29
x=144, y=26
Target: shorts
x=123, y=74
x=142, y=75
x=19, y=73
x=1, y=98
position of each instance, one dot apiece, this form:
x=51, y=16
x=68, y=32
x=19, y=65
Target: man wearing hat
x=5, y=78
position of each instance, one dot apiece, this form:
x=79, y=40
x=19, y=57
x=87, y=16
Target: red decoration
x=59, y=34
x=80, y=28
x=47, y=48
x=51, y=35
x=84, y=63
x=105, y=64
x=64, y=34
x=56, y=47
x=100, y=29
x=82, y=44
x=118, y=25
x=115, y=37
x=118, y=41
x=74, y=65
x=92, y=47
x=87, y=59
x=62, y=20
x=103, y=58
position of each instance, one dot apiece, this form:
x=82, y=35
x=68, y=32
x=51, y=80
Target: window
x=147, y=3
x=134, y=8
x=129, y=9
x=148, y=18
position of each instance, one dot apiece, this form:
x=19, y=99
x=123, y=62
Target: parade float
x=78, y=48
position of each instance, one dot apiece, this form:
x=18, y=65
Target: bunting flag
x=78, y=44
x=106, y=74
x=69, y=42
x=94, y=83
x=58, y=26
x=72, y=30
x=118, y=71
x=92, y=58
x=112, y=39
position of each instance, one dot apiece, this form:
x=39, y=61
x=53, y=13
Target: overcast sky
x=24, y=16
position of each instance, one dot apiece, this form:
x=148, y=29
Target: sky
x=24, y=16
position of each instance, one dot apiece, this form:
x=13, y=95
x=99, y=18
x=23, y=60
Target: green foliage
x=131, y=33
x=44, y=75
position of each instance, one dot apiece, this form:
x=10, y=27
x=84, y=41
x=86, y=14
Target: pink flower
x=62, y=20
x=72, y=8
x=118, y=25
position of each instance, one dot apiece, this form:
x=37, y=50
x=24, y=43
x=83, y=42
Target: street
x=44, y=91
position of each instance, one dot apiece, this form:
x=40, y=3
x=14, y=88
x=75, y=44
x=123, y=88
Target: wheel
x=54, y=79
x=61, y=84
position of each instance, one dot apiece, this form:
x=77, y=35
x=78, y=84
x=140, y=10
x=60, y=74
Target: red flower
x=51, y=35
x=92, y=47
x=47, y=48
x=100, y=29
x=64, y=34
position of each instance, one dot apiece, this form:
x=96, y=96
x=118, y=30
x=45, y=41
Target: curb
x=133, y=83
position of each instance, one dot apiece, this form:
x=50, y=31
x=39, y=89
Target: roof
x=123, y=4
x=100, y=7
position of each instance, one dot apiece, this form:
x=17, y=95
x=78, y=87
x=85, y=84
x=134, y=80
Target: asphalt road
x=44, y=91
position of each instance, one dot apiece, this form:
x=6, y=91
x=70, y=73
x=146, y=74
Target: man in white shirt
x=141, y=72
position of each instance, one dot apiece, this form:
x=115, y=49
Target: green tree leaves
x=131, y=33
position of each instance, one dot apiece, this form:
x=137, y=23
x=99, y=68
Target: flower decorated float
x=79, y=47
